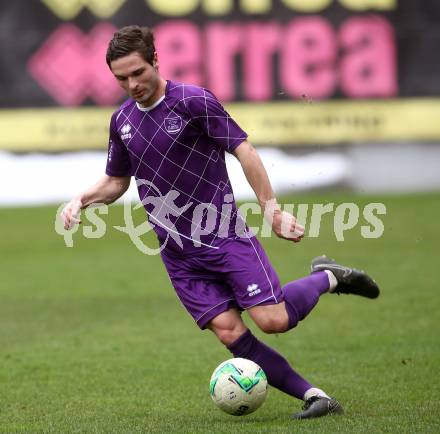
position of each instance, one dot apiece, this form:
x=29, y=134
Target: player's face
x=138, y=78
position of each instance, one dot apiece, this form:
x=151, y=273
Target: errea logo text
x=253, y=290
x=125, y=130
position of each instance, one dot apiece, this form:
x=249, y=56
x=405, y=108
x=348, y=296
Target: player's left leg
x=300, y=297
x=257, y=288
x=274, y=309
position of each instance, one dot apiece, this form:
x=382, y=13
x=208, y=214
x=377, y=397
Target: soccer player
x=172, y=137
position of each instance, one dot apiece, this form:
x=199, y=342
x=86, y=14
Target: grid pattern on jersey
x=216, y=126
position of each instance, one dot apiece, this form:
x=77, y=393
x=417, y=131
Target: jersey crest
x=173, y=125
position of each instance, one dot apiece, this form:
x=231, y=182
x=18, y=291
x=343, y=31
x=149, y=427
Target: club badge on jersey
x=173, y=125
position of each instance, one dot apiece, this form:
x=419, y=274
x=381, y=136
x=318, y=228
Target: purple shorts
x=237, y=274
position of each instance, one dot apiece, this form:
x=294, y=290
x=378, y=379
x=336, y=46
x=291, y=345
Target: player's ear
x=155, y=61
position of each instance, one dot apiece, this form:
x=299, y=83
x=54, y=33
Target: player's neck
x=160, y=92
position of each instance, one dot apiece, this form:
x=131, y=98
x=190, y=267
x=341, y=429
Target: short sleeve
x=118, y=160
x=214, y=120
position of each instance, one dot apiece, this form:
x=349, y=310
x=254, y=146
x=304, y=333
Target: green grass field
x=94, y=340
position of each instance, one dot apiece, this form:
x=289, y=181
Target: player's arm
x=283, y=224
x=106, y=190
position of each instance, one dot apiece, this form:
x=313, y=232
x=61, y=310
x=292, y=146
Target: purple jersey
x=176, y=151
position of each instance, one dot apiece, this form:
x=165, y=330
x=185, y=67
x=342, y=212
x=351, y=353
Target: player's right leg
x=227, y=326
x=233, y=333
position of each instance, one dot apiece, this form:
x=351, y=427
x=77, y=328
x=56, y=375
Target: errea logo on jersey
x=125, y=130
x=253, y=290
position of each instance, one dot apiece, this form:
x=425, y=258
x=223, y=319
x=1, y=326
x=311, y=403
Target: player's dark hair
x=131, y=39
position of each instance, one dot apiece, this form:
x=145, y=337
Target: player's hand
x=285, y=226
x=70, y=213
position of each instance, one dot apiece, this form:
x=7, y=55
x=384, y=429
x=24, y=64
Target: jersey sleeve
x=118, y=160
x=215, y=121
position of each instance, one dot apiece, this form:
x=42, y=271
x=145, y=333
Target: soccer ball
x=238, y=386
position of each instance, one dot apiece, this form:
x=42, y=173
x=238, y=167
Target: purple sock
x=278, y=371
x=302, y=295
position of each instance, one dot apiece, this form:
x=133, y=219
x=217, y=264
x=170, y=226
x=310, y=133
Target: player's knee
x=270, y=318
x=228, y=327
x=228, y=336
x=270, y=324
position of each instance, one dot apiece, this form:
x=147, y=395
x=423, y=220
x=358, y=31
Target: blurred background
x=334, y=92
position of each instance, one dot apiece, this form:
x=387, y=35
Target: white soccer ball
x=238, y=386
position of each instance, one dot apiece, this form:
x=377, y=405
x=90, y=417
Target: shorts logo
x=125, y=130
x=173, y=125
x=253, y=290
